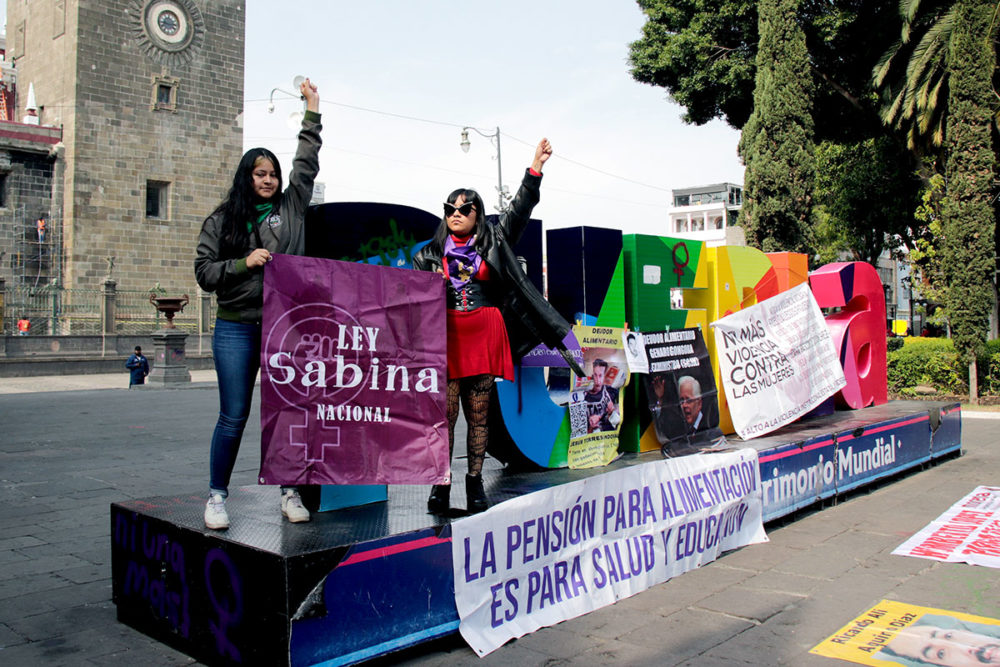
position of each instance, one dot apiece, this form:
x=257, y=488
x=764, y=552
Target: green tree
x=925, y=257
x=703, y=52
x=912, y=74
x=865, y=196
x=968, y=222
x=777, y=141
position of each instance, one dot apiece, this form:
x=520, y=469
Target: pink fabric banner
x=353, y=374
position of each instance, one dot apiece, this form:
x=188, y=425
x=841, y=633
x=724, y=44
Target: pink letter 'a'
x=858, y=329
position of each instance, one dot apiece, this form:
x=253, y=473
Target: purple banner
x=353, y=374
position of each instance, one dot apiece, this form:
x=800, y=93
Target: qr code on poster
x=577, y=416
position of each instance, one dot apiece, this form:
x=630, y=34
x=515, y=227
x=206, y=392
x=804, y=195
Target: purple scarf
x=463, y=261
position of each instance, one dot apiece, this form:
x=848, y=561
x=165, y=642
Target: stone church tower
x=149, y=94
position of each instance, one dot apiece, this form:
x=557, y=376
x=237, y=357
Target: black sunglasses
x=465, y=209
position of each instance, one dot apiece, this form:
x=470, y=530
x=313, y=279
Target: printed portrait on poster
x=635, y=352
x=899, y=633
x=595, y=405
x=683, y=399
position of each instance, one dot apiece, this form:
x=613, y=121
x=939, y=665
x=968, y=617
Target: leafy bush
x=931, y=362
x=988, y=366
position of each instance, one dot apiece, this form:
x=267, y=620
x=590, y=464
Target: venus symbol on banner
x=316, y=332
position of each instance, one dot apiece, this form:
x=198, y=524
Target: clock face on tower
x=168, y=22
x=168, y=30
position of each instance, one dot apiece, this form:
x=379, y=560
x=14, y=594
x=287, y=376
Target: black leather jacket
x=529, y=318
x=239, y=289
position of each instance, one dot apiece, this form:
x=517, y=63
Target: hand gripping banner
x=353, y=374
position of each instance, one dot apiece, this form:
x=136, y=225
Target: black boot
x=475, y=495
x=439, y=500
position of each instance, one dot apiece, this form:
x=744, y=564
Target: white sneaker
x=216, y=517
x=292, y=507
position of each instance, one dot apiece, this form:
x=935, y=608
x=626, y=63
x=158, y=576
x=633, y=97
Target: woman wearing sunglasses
x=490, y=303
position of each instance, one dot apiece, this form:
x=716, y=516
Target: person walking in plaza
x=138, y=368
x=485, y=285
x=255, y=219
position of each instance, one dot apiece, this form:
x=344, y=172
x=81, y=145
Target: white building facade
x=707, y=213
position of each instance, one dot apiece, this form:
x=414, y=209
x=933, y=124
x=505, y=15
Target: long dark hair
x=238, y=207
x=470, y=196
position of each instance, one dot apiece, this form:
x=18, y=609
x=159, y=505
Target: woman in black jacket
x=256, y=219
x=485, y=286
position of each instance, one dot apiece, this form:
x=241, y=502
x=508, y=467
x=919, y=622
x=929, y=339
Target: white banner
x=777, y=361
x=559, y=553
x=969, y=532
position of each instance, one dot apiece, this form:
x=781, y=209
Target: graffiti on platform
x=155, y=571
x=181, y=587
x=225, y=591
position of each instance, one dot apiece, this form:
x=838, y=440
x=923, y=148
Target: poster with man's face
x=683, y=399
x=595, y=405
x=898, y=633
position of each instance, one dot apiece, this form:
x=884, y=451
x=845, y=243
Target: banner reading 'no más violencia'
x=353, y=374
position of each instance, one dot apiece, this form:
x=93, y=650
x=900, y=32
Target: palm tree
x=912, y=74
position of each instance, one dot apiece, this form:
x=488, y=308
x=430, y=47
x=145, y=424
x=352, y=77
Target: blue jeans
x=236, y=348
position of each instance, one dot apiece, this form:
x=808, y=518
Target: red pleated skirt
x=478, y=344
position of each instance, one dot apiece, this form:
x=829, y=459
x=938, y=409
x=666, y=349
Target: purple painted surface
x=353, y=374
x=541, y=355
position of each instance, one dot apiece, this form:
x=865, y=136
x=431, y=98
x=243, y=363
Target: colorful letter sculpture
x=586, y=283
x=858, y=329
x=598, y=277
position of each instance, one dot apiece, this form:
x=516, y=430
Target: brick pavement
x=66, y=455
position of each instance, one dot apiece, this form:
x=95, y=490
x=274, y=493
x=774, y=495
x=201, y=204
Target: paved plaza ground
x=70, y=446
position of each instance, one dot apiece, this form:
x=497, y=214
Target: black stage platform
x=361, y=582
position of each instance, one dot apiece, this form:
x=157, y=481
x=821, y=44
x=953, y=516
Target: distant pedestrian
x=40, y=226
x=23, y=326
x=138, y=368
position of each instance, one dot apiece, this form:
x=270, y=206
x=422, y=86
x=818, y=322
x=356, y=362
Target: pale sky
x=555, y=68
x=538, y=68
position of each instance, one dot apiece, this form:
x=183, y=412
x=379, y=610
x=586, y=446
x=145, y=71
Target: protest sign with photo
x=560, y=552
x=777, y=361
x=681, y=388
x=897, y=633
x=595, y=405
x=353, y=375
x=968, y=532
x=635, y=352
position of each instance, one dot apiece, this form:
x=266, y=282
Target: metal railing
x=56, y=311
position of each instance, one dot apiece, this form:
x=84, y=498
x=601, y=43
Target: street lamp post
x=502, y=195
x=295, y=118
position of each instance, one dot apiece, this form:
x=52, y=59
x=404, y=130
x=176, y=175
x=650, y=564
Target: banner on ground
x=777, y=361
x=683, y=400
x=353, y=374
x=968, y=532
x=555, y=554
x=897, y=633
x=595, y=405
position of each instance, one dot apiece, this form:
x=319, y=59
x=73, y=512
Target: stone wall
x=99, y=80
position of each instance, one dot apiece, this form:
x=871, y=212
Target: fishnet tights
x=475, y=395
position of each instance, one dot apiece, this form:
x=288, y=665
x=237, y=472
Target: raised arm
x=542, y=154
x=305, y=166
x=311, y=93
x=516, y=217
